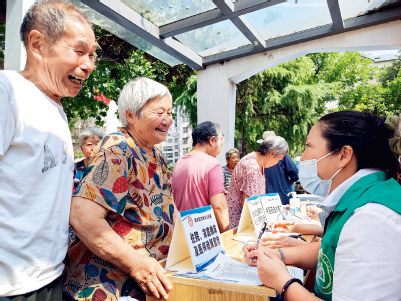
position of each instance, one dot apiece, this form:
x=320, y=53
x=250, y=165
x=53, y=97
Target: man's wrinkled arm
x=220, y=209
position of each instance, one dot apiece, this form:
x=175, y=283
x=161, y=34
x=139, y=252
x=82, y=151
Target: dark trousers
x=50, y=292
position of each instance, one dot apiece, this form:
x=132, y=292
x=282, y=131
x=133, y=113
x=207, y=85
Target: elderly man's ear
x=36, y=44
x=213, y=141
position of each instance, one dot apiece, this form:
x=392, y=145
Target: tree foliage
x=290, y=98
x=381, y=98
x=284, y=99
x=189, y=102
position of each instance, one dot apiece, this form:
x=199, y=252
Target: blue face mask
x=311, y=181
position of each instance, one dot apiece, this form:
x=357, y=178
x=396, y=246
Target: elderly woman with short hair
x=232, y=158
x=123, y=211
x=248, y=179
x=88, y=139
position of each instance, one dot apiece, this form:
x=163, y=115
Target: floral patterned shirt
x=135, y=188
x=246, y=178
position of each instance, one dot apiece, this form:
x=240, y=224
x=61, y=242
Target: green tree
x=390, y=73
x=284, y=99
x=363, y=93
x=188, y=101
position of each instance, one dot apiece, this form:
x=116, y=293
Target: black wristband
x=285, y=287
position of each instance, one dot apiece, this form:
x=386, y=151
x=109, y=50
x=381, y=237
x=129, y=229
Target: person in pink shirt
x=248, y=178
x=198, y=178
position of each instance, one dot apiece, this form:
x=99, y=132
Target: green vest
x=374, y=188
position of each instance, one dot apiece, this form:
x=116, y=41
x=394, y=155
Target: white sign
x=272, y=206
x=258, y=209
x=196, y=241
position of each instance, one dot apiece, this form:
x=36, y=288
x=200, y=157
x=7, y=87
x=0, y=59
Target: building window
x=185, y=151
x=175, y=140
x=170, y=161
x=169, y=156
x=176, y=160
x=185, y=140
x=177, y=146
x=185, y=130
x=176, y=154
x=184, y=119
x=169, y=140
x=167, y=149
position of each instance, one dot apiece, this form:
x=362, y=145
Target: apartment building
x=179, y=139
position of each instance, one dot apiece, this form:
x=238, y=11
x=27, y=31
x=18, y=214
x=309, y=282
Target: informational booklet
x=226, y=268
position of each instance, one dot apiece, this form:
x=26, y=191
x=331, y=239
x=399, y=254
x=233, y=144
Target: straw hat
x=266, y=135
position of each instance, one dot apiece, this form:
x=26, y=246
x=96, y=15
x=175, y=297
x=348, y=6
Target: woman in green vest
x=348, y=160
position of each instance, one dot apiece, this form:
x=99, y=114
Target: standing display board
x=258, y=209
x=196, y=241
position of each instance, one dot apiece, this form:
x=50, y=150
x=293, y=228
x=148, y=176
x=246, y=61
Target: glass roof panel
x=161, y=12
x=290, y=17
x=125, y=34
x=355, y=8
x=215, y=38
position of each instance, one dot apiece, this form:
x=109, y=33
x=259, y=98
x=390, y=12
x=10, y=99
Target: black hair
x=204, y=131
x=365, y=133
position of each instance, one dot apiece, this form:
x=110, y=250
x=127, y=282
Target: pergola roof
x=203, y=32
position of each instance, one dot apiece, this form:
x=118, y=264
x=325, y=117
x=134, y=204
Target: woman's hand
x=275, y=242
x=271, y=270
x=281, y=226
x=151, y=277
x=313, y=212
x=247, y=249
x=250, y=248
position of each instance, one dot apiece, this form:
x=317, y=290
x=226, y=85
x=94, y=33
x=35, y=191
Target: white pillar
x=15, y=54
x=216, y=102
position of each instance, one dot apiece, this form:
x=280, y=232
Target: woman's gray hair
x=275, y=144
x=136, y=94
x=230, y=152
x=91, y=132
x=49, y=19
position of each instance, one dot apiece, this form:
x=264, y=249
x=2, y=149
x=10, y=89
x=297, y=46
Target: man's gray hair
x=136, y=94
x=206, y=130
x=49, y=19
x=275, y=144
x=91, y=132
x=230, y=152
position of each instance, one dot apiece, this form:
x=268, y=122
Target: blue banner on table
x=196, y=240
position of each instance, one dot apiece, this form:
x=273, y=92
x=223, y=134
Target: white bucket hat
x=266, y=135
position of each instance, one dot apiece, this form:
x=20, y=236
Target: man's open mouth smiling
x=76, y=80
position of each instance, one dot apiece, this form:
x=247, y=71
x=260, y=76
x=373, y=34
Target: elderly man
x=36, y=155
x=198, y=178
